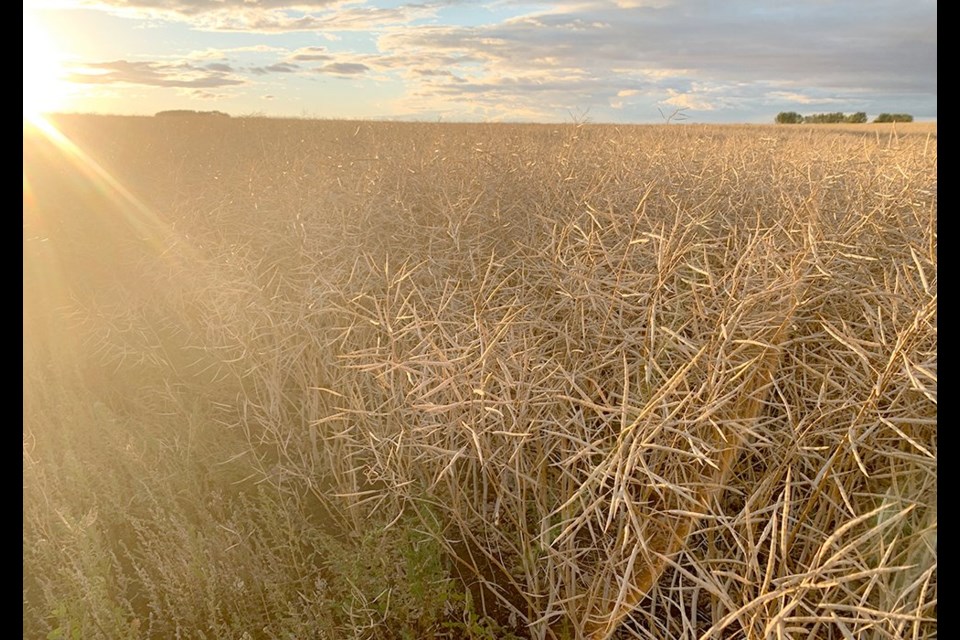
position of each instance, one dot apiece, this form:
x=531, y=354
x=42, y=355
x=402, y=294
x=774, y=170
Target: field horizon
x=914, y=127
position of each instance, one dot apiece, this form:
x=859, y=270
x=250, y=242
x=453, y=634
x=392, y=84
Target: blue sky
x=610, y=61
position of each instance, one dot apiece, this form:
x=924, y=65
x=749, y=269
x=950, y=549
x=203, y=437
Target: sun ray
x=137, y=215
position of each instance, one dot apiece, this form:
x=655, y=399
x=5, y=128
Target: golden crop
x=290, y=378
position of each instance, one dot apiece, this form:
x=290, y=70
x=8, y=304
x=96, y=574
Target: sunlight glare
x=43, y=85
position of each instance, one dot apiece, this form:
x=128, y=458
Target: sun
x=44, y=88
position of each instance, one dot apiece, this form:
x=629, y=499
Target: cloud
x=688, y=101
x=801, y=98
x=309, y=54
x=343, y=68
x=618, y=103
x=434, y=73
x=271, y=16
x=623, y=58
x=738, y=54
x=221, y=53
x=311, y=57
x=155, y=74
x=364, y=18
x=649, y=4
x=188, y=8
x=203, y=94
x=283, y=67
x=279, y=67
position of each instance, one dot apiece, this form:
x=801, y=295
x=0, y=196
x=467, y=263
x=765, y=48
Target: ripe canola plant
x=294, y=378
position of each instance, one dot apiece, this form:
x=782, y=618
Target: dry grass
x=652, y=382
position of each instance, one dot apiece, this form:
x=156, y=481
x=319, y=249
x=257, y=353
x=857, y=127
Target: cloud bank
x=621, y=60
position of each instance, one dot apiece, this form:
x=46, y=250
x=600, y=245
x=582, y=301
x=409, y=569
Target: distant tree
x=788, y=117
x=190, y=112
x=825, y=118
x=792, y=117
x=894, y=117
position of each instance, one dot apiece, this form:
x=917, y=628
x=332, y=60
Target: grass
x=376, y=380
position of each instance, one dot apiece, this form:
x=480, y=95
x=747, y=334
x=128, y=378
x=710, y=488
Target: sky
x=619, y=61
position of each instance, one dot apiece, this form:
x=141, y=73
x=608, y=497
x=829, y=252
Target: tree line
x=792, y=117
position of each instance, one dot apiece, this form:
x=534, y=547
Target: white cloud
x=688, y=101
x=800, y=98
